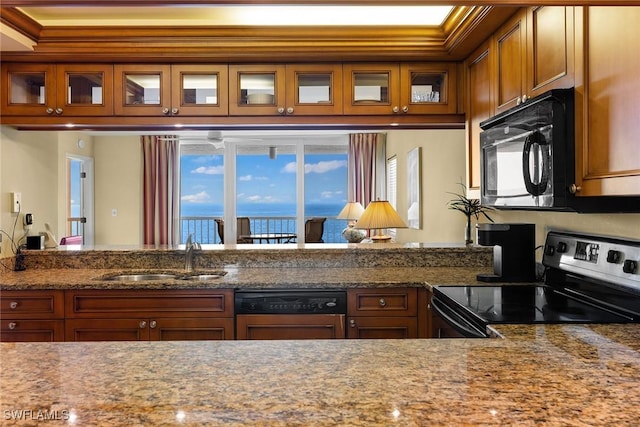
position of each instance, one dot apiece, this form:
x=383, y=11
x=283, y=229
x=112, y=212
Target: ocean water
x=265, y=218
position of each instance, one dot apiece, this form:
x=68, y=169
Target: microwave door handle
x=533, y=188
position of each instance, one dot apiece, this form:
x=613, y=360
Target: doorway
x=79, y=220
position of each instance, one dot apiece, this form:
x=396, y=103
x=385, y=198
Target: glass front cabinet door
x=199, y=90
x=142, y=90
x=420, y=88
x=58, y=90
x=285, y=90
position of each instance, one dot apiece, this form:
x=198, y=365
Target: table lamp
x=379, y=215
x=351, y=212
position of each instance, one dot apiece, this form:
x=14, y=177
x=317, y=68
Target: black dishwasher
x=290, y=314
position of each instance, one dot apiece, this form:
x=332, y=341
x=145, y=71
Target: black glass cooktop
x=525, y=304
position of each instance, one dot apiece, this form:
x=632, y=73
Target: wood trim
x=20, y=22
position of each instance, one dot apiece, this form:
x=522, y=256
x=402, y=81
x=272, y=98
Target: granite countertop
x=556, y=375
x=246, y=278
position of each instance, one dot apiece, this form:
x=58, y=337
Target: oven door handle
x=535, y=138
x=458, y=324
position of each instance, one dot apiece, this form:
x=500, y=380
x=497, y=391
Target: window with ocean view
x=266, y=186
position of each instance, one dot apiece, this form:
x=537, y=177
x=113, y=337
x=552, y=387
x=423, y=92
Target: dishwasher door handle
x=456, y=322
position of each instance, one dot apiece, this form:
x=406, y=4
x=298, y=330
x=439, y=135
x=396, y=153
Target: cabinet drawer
x=382, y=302
x=382, y=328
x=163, y=303
x=32, y=304
x=18, y=330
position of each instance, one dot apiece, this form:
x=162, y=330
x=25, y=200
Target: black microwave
x=527, y=159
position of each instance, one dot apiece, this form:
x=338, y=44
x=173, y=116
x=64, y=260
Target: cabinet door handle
x=13, y=325
x=352, y=323
x=290, y=110
x=49, y=110
x=405, y=109
x=382, y=302
x=142, y=324
x=395, y=109
x=13, y=305
x=59, y=111
x=174, y=111
x=524, y=98
x=519, y=100
x=165, y=111
x=153, y=324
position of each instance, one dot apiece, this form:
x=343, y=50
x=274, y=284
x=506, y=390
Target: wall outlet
x=16, y=202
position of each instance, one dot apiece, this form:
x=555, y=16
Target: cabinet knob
x=519, y=100
x=13, y=305
x=352, y=323
x=524, y=98
x=573, y=189
x=280, y=110
x=382, y=302
x=142, y=324
x=395, y=109
x=405, y=109
x=165, y=111
x=290, y=110
x=49, y=110
x=153, y=324
x=174, y=111
x=13, y=325
x=58, y=111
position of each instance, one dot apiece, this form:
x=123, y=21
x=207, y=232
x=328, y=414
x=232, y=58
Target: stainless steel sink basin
x=139, y=277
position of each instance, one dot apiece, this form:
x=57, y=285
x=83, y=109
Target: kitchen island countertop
x=555, y=375
x=311, y=277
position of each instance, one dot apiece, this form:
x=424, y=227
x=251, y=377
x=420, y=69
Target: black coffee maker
x=514, y=246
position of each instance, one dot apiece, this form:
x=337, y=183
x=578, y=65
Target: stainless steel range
x=588, y=279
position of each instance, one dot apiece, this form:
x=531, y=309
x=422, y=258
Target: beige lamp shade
x=352, y=210
x=378, y=215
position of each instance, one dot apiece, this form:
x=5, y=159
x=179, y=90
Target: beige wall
x=118, y=185
x=443, y=167
x=27, y=167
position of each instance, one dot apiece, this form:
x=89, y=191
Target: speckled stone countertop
x=551, y=375
x=245, y=278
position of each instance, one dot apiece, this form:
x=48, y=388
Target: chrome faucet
x=190, y=248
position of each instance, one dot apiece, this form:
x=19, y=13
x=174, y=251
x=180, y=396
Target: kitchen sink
x=139, y=277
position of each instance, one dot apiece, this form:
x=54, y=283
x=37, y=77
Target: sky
x=265, y=181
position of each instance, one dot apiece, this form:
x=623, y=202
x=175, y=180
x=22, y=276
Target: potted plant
x=469, y=207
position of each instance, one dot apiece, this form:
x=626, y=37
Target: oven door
x=447, y=323
x=516, y=166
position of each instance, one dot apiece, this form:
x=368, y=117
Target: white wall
x=443, y=168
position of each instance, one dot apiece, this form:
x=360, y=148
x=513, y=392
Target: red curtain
x=161, y=170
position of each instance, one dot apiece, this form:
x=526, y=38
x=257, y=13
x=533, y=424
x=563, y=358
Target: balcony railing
x=204, y=228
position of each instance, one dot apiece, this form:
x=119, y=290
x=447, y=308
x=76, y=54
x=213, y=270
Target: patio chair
x=244, y=229
x=313, y=230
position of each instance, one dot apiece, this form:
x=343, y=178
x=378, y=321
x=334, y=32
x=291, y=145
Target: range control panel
x=611, y=259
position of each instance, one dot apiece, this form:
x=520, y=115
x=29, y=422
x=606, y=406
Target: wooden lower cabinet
x=389, y=313
x=160, y=329
x=140, y=315
x=32, y=315
x=289, y=326
x=382, y=327
x=18, y=330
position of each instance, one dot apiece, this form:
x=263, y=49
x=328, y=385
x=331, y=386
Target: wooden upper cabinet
x=510, y=51
x=479, y=107
x=533, y=54
x=387, y=88
x=550, y=49
x=171, y=90
x=57, y=90
x=607, y=101
x=285, y=90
